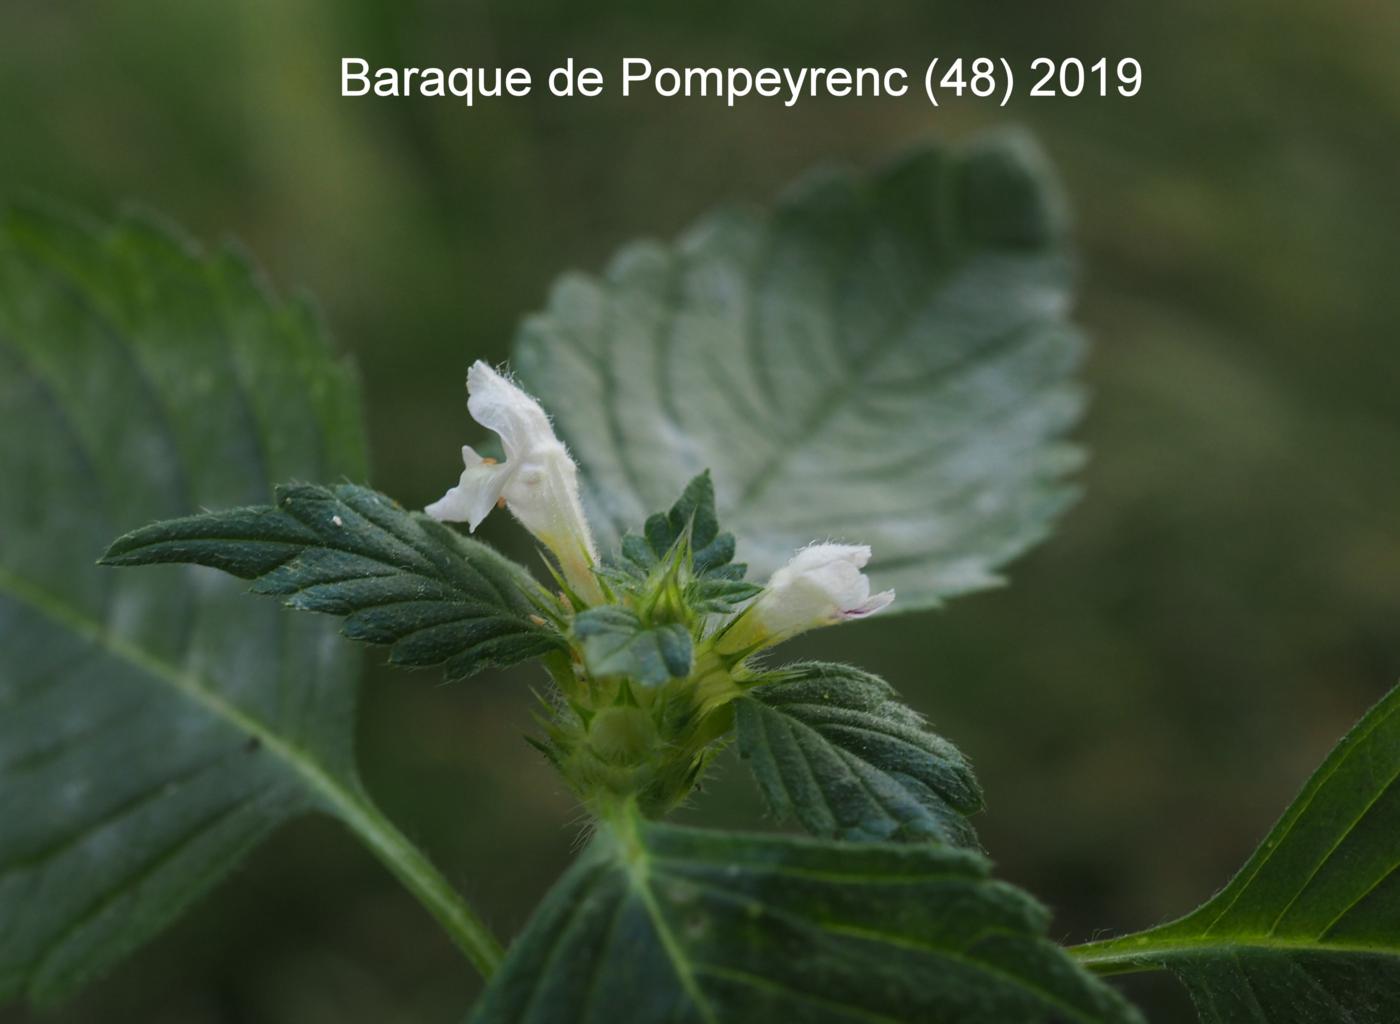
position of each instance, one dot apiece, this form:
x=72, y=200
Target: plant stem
x=1111, y=957
x=1153, y=950
x=412, y=867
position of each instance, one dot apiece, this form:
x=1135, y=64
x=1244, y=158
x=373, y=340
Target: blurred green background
x=1161, y=676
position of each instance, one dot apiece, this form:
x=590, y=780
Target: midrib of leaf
x=851, y=931
x=348, y=802
x=847, y=387
x=859, y=304
x=1151, y=949
x=843, y=389
x=612, y=405
x=1296, y=814
x=825, y=407
x=1146, y=953
x=637, y=862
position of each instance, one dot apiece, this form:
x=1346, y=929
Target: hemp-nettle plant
x=770, y=426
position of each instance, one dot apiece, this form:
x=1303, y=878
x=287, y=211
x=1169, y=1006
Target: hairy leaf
x=694, y=510
x=689, y=532
x=616, y=643
x=402, y=579
x=153, y=726
x=676, y=925
x=1309, y=931
x=831, y=746
x=883, y=360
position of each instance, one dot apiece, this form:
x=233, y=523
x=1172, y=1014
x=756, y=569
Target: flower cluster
x=538, y=482
x=658, y=649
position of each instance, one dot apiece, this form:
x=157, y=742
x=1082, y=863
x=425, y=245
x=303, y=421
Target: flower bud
x=820, y=586
x=538, y=481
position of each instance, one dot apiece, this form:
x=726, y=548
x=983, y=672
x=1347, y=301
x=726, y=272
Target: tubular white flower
x=538, y=481
x=821, y=585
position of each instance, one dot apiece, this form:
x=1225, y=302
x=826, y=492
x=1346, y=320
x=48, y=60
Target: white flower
x=538, y=481
x=821, y=585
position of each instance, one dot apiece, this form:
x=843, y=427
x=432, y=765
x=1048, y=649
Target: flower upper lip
x=819, y=586
x=826, y=580
x=538, y=481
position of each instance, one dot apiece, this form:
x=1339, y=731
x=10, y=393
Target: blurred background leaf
x=1306, y=931
x=152, y=730
x=1160, y=677
x=883, y=360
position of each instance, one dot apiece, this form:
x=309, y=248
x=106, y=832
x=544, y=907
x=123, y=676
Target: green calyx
x=618, y=740
x=645, y=692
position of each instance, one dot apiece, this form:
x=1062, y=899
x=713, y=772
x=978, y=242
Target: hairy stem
x=1154, y=951
x=1115, y=956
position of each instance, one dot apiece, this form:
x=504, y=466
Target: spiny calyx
x=652, y=671
x=645, y=691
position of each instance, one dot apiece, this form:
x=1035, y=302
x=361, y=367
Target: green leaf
x=616, y=643
x=694, y=511
x=677, y=925
x=154, y=726
x=398, y=578
x=884, y=360
x=1309, y=930
x=831, y=746
x=689, y=532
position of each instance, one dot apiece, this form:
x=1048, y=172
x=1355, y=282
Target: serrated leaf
x=718, y=593
x=694, y=511
x=678, y=925
x=832, y=747
x=1309, y=931
x=154, y=726
x=398, y=578
x=689, y=531
x=616, y=643
x=883, y=360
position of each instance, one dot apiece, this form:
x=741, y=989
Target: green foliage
x=617, y=643
x=153, y=727
x=885, y=358
x=1309, y=931
x=693, y=512
x=662, y=924
x=398, y=578
x=687, y=542
x=831, y=747
x=669, y=577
